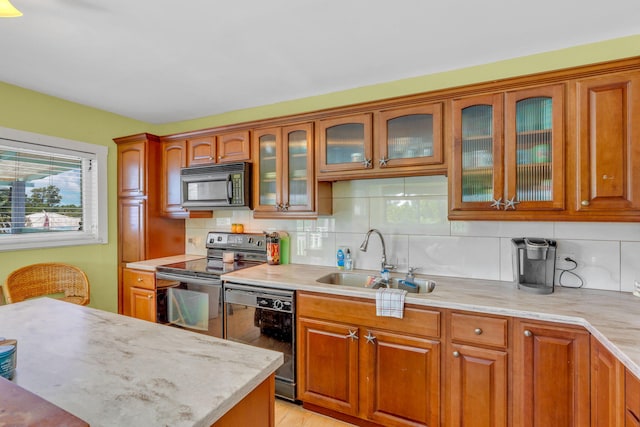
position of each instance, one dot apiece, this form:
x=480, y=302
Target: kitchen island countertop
x=113, y=370
x=612, y=317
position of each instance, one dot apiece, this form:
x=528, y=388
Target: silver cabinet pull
x=477, y=331
x=456, y=354
x=528, y=333
x=585, y=203
x=353, y=334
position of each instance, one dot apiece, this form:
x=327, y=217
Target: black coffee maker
x=534, y=264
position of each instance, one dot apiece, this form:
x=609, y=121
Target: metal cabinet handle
x=456, y=354
x=149, y=296
x=585, y=203
x=353, y=334
x=370, y=338
x=140, y=279
x=477, y=331
x=366, y=163
x=528, y=333
x=383, y=161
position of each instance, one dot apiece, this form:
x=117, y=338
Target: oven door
x=264, y=318
x=194, y=304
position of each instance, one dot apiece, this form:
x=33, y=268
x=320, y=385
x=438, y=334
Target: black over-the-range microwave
x=216, y=186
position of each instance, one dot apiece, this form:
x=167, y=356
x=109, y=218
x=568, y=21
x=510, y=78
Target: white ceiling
x=161, y=61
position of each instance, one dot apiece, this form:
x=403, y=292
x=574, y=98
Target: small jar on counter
x=273, y=248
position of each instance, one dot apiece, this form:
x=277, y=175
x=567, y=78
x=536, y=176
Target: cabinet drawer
x=416, y=320
x=632, y=397
x=483, y=330
x=139, y=279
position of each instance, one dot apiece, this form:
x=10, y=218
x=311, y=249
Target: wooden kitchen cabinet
x=328, y=365
x=345, y=144
x=409, y=136
x=143, y=231
x=607, y=387
x=508, y=154
x=608, y=146
x=139, y=294
x=383, y=370
x=234, y=146
x=477, y=366
x=550, y=375
x=200, y=151
x=632, y=400
x=284, y=180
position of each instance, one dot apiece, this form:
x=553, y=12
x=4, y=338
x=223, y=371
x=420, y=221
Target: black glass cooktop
x=203, y=267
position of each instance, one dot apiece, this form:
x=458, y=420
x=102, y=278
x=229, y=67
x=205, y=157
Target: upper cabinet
x=409, y=136
x=234, y=147
x=508, y=154
x=390, y=142
x=284, y=181
x=607, y=149
x=200, y=151
x=345, y=144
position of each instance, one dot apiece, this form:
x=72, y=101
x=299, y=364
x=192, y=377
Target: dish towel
x=390, y=302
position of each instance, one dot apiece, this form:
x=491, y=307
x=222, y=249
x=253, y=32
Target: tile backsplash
x=411, y=213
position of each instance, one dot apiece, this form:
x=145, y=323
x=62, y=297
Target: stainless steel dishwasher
x=265, y=318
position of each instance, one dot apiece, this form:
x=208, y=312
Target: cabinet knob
x=456, y=354
x=353, y=334
x=477, y=331
x=149, y=296
x=366, y=163
x=585, y=203
x=370, y=338
x=383, y=162
x=528, y=333
x=139, y=279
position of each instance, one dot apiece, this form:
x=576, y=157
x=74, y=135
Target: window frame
x=94, y=233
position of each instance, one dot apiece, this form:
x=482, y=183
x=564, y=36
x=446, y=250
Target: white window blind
x=52, y=191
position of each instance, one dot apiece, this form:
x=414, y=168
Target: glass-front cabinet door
x=345, y=143
x=534, y=141
x=298, y=177
x=508, y=152
x=410, y=136
x=477, y=152
x=284, y=177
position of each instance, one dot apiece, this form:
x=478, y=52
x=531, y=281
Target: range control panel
x=234, y=241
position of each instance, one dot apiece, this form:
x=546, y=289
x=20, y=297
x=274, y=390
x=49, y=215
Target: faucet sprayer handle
x=412, y=271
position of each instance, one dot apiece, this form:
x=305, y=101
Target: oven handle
x=259, y=290
x=188, y=279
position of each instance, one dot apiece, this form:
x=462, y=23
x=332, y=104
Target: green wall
x=34, y=112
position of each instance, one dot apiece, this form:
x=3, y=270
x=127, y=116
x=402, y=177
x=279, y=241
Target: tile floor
x=291, y=415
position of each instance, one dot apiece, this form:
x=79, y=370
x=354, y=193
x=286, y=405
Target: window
x=52, y=191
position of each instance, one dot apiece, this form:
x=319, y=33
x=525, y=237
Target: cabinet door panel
x=132, y=167
x=607, y=387
x=267, y=189
x=608, y=144
x=477, y=387
x=402, y=379
x=534, y=148
x=551, y=376
x=143, y=304
x=201, y=151
x=131, y=222
x=345, y=143
x=298, y=167
x=328, y=365
x=477, y=171
x=234, y=147
x=173, y=159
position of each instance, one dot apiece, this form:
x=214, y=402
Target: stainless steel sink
x=359, y=280
x=356, y=280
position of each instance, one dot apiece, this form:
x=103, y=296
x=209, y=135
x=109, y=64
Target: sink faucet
x=383, y=261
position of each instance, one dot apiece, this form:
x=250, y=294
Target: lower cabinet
x=607, y=387
x=366, y=366
x=632, y=400
x=139, y=299
x=550, y=375
x=477, y=366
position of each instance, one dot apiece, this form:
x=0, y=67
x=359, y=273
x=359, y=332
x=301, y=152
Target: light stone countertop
x=612, y=317
x=151, y=264
x=113, y=370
